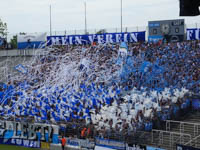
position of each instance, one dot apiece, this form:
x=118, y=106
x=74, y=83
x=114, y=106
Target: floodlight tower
x=121, y=17
x=50, y=20
x=85, y=5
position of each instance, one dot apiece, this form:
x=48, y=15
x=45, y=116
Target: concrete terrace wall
x=10, y=58
x=19, y=53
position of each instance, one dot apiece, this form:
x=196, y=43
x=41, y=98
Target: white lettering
x=125, y=37
x=197, y=34
x=18, y=141
x=31, y=144
x=23, y=130
x=31, y=133
x=55, y=130
x=55, y=40
x=78, y=39
x=133, y=37
x=189, y=34
x=35, y=144
x=12, y=141
x=100, y=39
x=91, y=38
x=64, y=40
x=71, y=40
x=26, y=143
x=118, y=38
x=109, y=38
x=9, y=125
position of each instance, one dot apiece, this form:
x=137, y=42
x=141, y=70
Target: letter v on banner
x=91, y=38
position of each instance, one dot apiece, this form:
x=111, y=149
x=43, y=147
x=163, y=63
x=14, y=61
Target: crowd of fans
x=93, y=85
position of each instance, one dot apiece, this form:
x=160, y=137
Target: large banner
x=80, y=143
x=21, y=142
x=97, y=38
x=135, y=147
x=193, y=34
x=31, y=41
x=182, y=147
x=22, y=130
x=154, y=148
x=110, y=144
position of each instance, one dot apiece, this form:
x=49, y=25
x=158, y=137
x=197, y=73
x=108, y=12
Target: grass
x=9, y=147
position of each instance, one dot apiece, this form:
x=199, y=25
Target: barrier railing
x=194, y=142
x=181, y=125
x=173, y=138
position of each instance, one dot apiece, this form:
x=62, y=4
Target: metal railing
x=173, y=138
x=194, y=126
x=194, y=142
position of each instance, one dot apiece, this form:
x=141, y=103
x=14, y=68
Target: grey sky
x=33, y=15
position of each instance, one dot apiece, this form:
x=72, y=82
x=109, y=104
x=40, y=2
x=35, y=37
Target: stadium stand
x=93, y=88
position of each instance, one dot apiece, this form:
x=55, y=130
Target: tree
x=3, y=29
x=101, y=31
x=13, y=42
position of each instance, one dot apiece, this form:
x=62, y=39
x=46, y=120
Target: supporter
x=83, y=132
x=92, y=85
x=63, y=143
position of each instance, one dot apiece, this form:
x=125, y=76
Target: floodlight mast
x=85, y=17
x=121, y=18
x=50, y=20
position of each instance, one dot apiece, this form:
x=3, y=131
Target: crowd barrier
x=182, y=147
x=81, y=144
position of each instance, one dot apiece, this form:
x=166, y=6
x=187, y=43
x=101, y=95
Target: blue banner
x=193, y=34
x=135, y=147
x=154, y=39
x=21, y=142
x=182, y=147
x=97, y=38
x=110, y=144
x=153, y=148
x=86, y=144
x=73, y=142
x=31, y=41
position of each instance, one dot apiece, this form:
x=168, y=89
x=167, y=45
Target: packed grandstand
x=93, y=85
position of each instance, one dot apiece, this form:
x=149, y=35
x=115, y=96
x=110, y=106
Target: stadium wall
x=10, y=58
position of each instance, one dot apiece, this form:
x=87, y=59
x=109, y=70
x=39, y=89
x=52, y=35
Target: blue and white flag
x=21, y=69
x=122, y=53
x=31, y=41
x=123, y=50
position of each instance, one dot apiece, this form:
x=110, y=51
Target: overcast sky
x=33, y=15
